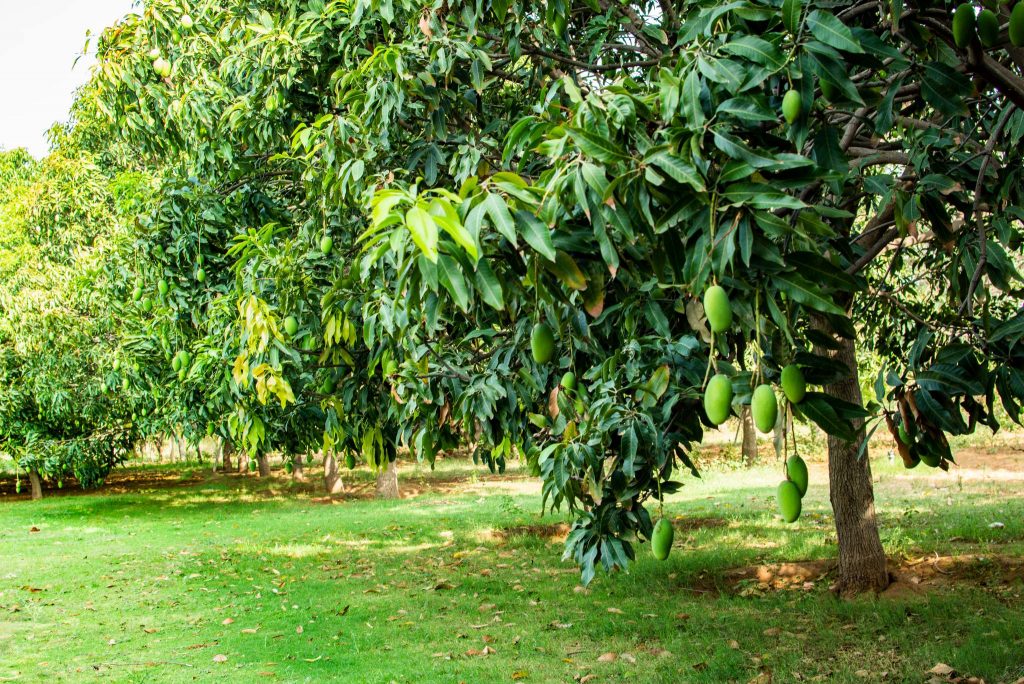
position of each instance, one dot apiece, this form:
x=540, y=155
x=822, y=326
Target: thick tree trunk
x=861, y=557
x=226, y=450
x=298, y=474
x=332, y=479
x=263, y=461
x=749, y=437
x=37, y=484
x=387, y=481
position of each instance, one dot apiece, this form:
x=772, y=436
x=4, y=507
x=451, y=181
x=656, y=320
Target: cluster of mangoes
x=986, y=27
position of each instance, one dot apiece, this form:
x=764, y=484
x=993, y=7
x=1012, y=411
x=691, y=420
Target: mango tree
x=502, y=222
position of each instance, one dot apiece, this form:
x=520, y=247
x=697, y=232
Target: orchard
x=577, y=245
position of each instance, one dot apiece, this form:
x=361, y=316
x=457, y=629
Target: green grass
x=149, y=586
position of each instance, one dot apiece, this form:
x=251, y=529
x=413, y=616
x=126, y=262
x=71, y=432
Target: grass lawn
x=242, y=580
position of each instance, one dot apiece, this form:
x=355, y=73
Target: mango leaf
x=816, y=407
x=791, y=13
x=597, y=147
x=803, y=292
x=757, y=50
x=827, y=28
x=567, y=271
x=423, y=230
x=536, y=234
x=450, y=275
x=500, y=216
x=489, y=285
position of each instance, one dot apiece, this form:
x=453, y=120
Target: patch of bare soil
x=910, y=577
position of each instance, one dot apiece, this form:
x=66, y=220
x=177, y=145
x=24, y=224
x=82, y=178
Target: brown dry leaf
x=227, y=621
x=734, y=645
x=149, y=630
x=443, y=585
x=250, y=630
x=772, y=631
x=33, y=529
x=299, y=630
x=580, y=590
x=485, y=607
x=616, y=611
x=762, y=678
x=220, y=658
x=942, y=670
x=629, y=658
x=425, y=25
x=561, y=625
x=488, y=639
x=608, y=657
x=519, y=674
x=586, y=678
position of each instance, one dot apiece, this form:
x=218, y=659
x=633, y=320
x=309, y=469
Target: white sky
x=39, y=40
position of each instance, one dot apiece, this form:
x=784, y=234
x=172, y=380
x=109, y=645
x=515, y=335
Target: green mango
x=542, y=343
x=1017, y=25
x=764, y=408
x=568, y=381
x=718, y=398
x=796, y=470
x=201, y=275
x=793, y=384
x=792, y=105
x=717, y=309
x=162, y=287
x=350, y=460
x=988, y=28
x=326, y=244
x=661, y=538
x=963, y=25
x=291, y=326
x=788, y=496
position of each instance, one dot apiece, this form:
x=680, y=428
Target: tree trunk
x=37, y=484
x=387, y=481
x=332, y=479
x=226, y=450
x=861, y=557
x=263, y=461
x=749, y=437
x=298, y=474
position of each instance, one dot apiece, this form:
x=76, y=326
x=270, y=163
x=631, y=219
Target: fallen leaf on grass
x=607, y=657
x=227, y=621
x=586, y=678
x=486, y=651
x=299, y=630
x=520, y=674
x=149, y=630
x=772, y=631
x=734, y=645
x=942, y=670
x=628, y=657
x=616, y=611
x=220, y=658
x=33, y=529
x=250, y=630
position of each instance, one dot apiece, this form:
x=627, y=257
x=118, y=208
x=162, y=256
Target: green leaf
x=757, y=50
x=567, y=271
x=827, y=28
x=596, y=146
x=678, y=169
x=450, y=275
x=791, y=11
x=501, y=217
x=423, y=229
x=536, y=234
x=803, y=292
x=817, y=408
x=489, y=285
x=942, y=87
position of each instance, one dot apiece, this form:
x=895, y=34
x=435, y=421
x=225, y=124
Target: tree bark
x=298, y=473
x=387, y=481
x=263, y=461
x=332, y=479
x=861, y=557
x=37, y=484
x=749, y=437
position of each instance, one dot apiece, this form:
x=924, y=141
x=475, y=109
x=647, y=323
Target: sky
x=39, y=41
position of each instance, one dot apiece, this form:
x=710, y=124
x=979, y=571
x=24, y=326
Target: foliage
x=595, y=166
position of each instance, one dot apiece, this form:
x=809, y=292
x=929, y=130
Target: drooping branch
x=968, y=302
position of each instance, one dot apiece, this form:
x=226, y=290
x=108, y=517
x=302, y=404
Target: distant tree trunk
x=298, y=474
x=387, y=481
x=861, y=556
x=37, y=484
x=749, y=437
x=332, y=479
x=226, y=449
x=263, y=461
